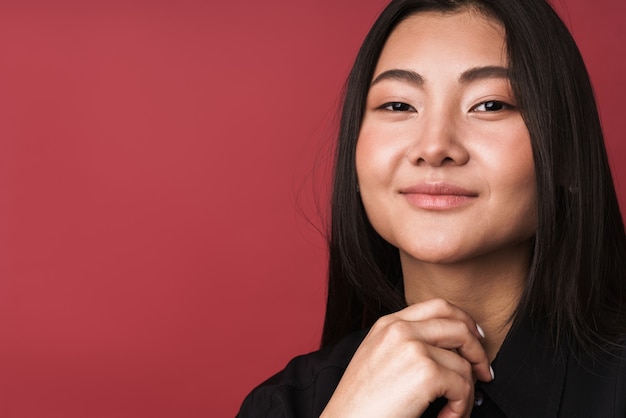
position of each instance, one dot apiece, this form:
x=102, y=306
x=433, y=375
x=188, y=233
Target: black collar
x=530, y=374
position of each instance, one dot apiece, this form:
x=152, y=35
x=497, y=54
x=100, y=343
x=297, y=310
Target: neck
x=488, y=288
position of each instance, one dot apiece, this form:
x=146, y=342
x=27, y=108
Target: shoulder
x=305, y=385
x=596, y=383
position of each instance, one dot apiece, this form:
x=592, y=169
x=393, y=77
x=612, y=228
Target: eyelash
x=489, y=103
x=398, y=107
x=403, y=107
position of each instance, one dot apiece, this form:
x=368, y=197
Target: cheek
x=367, y=160
x=376, y=156
x=521, y=167
x=515, y=181
x=506, y=156
x=373, y=173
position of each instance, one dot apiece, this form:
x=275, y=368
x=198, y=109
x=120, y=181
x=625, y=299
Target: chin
x=435, y=256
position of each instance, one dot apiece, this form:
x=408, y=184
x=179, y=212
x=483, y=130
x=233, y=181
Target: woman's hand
x=409, y=359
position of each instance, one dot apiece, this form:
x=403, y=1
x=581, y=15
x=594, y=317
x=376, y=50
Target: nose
x=438, y=141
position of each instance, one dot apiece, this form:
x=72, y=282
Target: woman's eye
x=398, y=107
x=491, y=106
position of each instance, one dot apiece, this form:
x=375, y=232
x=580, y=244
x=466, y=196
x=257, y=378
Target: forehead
x=458, y=39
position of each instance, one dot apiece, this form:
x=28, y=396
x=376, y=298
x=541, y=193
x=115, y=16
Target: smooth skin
x=446, y=175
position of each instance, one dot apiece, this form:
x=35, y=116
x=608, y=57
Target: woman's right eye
x=398, y=107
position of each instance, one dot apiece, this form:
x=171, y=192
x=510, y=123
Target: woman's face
x=443, y=157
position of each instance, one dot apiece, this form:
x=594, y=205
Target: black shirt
x=533, y=380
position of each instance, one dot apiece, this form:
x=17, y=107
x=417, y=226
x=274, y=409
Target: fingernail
x=493, y=376
x=480, y=331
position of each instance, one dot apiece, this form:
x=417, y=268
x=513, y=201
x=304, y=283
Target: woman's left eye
x=491, y=106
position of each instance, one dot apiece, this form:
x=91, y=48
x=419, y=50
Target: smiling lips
x=437, y=196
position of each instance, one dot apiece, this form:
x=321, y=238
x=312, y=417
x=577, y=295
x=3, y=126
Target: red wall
x=158, y=162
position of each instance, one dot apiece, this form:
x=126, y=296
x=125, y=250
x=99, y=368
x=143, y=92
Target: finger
x=460, y=396
x=437, y=308
x=456, y=388
x=450, y=360
x=455, y=335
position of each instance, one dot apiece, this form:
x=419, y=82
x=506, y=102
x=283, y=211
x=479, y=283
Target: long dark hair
x=577, y=275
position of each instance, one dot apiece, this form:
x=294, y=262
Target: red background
x=160, y=167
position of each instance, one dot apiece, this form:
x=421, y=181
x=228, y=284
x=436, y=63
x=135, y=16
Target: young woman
x=477, y=251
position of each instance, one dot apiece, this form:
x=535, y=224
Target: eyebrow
x=468, y=76
x=408, y=76
x=480, y=73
